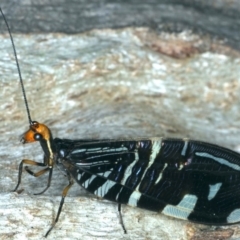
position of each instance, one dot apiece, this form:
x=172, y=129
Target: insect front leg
x=41, y=172
x=20, y=169
x=37, y=174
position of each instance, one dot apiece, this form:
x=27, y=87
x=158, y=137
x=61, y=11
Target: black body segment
x=182, y=178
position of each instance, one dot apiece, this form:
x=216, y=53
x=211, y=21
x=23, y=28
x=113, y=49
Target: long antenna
x=19, y=72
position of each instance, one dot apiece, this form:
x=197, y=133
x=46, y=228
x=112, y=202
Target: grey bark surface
x=219, y=18
x=110, y=83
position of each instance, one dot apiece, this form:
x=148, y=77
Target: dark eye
x=37, y=137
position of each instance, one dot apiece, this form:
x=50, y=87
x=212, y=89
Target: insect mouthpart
x=28, y=137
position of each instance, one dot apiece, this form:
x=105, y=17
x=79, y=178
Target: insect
x=182, y=178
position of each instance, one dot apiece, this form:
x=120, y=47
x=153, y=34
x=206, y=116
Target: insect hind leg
x=121, y=218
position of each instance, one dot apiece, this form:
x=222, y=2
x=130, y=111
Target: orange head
x=37, y=132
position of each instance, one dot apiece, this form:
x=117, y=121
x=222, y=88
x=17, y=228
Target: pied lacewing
x=181, y=178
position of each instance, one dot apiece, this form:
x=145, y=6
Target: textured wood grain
x=219, y=18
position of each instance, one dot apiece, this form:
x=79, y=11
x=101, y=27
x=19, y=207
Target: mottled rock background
x=113, y=69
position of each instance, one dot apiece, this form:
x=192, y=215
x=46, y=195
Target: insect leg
x=20, y=169
x=41, y=172
x=37, y=174
x=50, y=169
x=64, y=194
x=121, y=218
